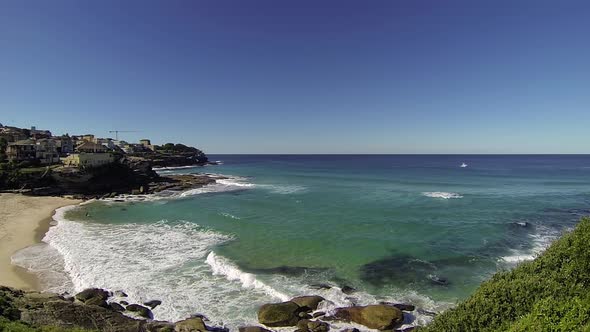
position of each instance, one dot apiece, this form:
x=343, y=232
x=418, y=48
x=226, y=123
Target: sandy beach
x=23, y=222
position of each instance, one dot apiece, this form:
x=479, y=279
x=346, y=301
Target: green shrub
x=551, y=293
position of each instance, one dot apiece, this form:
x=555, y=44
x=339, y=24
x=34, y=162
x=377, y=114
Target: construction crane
x=121, y=131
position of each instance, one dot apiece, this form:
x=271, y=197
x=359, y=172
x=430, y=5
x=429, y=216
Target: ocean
x=398, y=228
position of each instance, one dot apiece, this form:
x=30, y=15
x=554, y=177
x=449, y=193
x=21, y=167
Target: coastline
x=24, y=220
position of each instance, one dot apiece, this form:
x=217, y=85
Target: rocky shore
x=98, y=309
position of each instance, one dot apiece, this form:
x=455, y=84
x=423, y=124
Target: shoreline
x=24, y=220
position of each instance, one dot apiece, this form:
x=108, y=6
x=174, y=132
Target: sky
x=303, y=76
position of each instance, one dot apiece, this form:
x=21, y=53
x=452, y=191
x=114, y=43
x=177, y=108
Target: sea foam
x=441, y=194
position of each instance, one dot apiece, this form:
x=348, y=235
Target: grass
x=551, y=293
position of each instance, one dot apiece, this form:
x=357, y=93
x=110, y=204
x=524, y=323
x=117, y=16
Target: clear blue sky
x=304, y=76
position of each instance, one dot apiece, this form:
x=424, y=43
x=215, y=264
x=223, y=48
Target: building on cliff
x=23, y=150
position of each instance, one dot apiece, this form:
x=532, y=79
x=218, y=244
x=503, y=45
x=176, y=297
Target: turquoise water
x=413, y=228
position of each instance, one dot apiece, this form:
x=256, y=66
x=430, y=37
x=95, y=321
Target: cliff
x=551, y=293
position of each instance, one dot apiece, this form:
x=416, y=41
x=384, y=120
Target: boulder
x=116, y=306
x=253, y=329
x=350, y=330
x=140, y=311
x=93, y=296
x=318, y=314
x=279, y=314
x=310, y=301
x=120, y=293
x=379, y=316
x=195, y=324
x=124, y=303
x=153, y=303
x=400, y=306
x=312, y=326
x=348, y=290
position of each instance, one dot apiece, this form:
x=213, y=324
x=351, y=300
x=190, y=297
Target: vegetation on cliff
x=551, y=293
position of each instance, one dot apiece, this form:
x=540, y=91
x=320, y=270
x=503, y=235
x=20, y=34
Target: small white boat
x=463, y=165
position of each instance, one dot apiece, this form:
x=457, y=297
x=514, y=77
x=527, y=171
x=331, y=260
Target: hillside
x=551, y=293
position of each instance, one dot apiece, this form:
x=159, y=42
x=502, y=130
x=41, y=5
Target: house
x=91, y=147
x=88, y=137
x=23, y=150
x=37, y=133
x=46, y=151
x=147, y=144
x=12, y=134
x=64, y=145
x=88, y=160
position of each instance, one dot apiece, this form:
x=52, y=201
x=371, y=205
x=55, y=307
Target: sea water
x=398, y=228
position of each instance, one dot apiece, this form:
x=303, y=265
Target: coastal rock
x=312, y=326
x=400, y=306
x=348, y=290
x=116, y=306
x=140, y=311
x=124, y=303
x=195, y=324
x=309, y=301
x=93, y=296
x=350, y=330
x=320, y=286
x=379, y=316
x=279, y=314
x=318, y=314
x=153, y=303
x=253, y=329
x=120, y=293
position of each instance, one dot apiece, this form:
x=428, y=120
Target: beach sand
x=24, y=220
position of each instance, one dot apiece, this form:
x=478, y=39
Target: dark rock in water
x=309, y=301
x=253, y=329
x=140, y=311
x=350, y=330
x=93, y=296
x=120, y=293
x=436, y=280
x=201, y=316
x=403, y=269
x=312, y=326
x=320, y=286
x=190, y=325
x=153, y=303
x=348, y=290
x=124, y=302
x=426, y=312
x=304, y=315
x=279, y=314
x=116, y=306
x=379, y=316
x=353, y=300
x=400, y=306
x=318, y=314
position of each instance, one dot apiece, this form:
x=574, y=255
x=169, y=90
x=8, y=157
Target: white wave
x=282, y=189
x=229, y=215
x=539, y=242
x=441, y=194
x=174, y=168
x=222, y=266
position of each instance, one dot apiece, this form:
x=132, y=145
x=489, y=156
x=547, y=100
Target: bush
x=551, y=293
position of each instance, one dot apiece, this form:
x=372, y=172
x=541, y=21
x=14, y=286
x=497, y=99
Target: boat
x=463, y=165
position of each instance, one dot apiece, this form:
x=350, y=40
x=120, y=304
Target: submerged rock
x=379, y=316
x=279, y=314
x=348, y=290
x=140, y=311
x=309, y=301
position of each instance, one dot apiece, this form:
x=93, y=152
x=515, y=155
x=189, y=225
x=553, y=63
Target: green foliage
x=551, y=293
x=178, y=148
